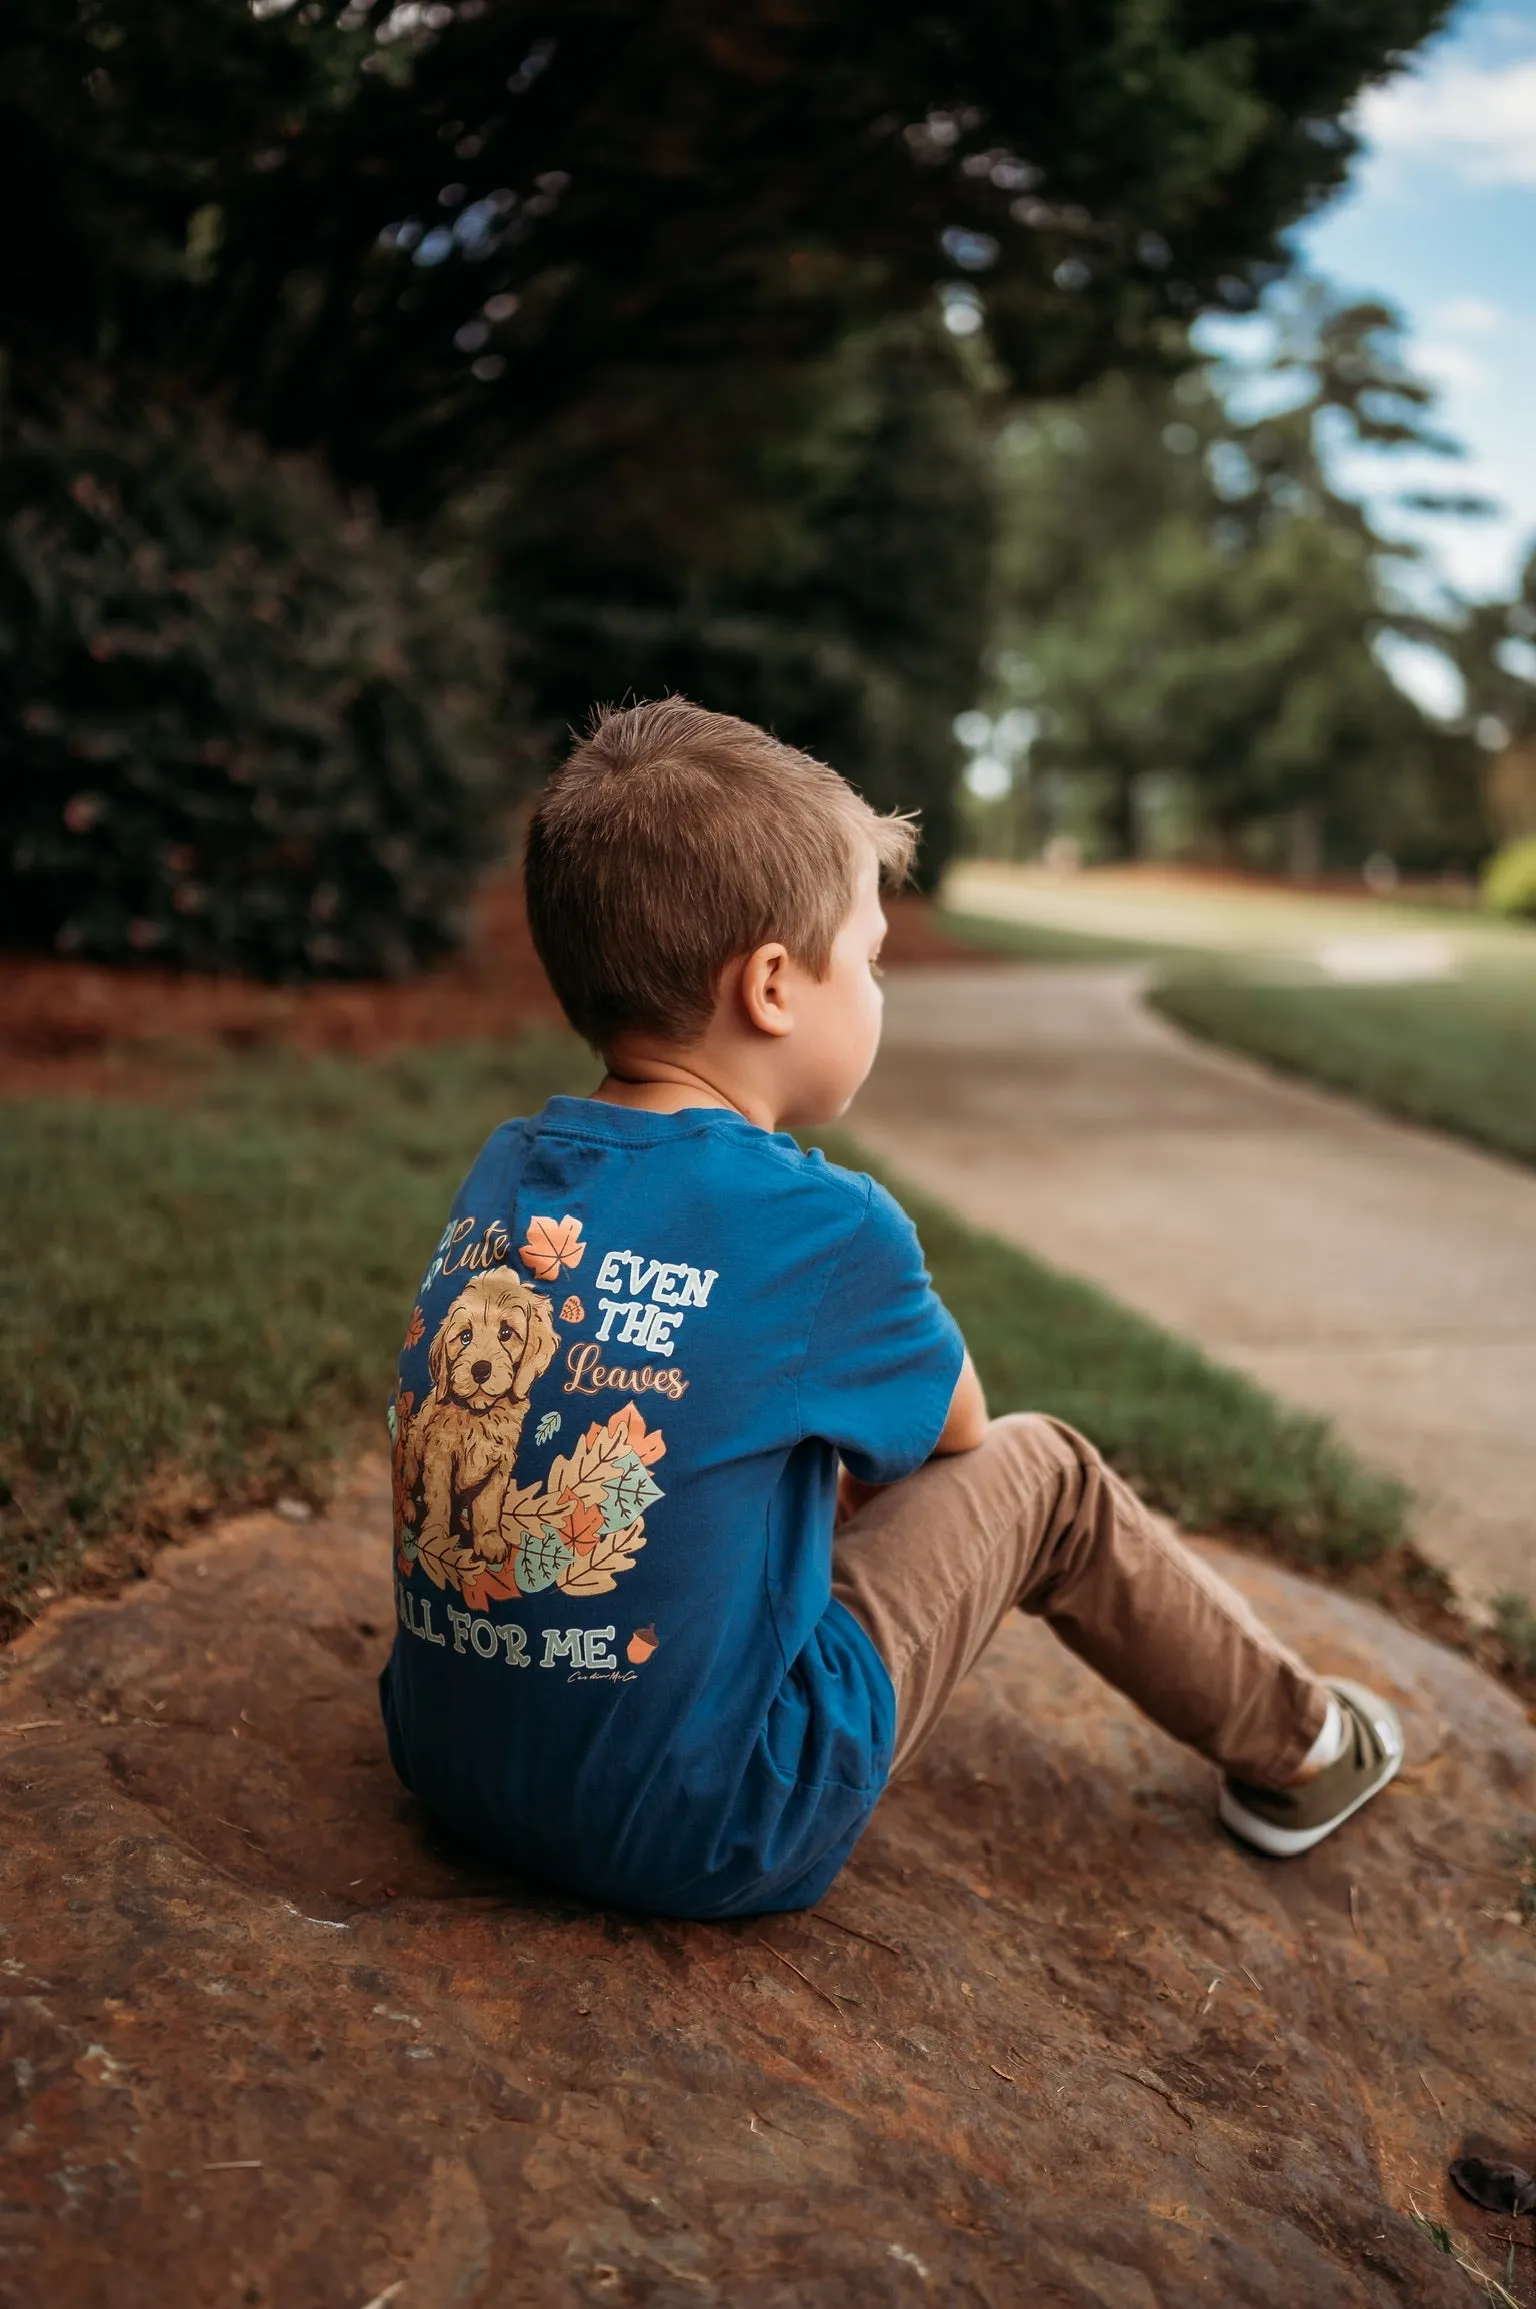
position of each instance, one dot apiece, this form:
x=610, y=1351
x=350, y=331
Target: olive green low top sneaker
x=1285, y=1821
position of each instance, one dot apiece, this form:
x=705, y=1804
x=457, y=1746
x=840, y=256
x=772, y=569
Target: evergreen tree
x=1495, y=650
x=1186, y=596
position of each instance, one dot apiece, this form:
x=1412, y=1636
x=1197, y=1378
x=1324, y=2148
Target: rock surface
x=1052, y=2039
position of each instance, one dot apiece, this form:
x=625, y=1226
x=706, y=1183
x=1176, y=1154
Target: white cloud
x=1479, y=121
x=1450, y=366
x=1494, y=364
x=1468, y=317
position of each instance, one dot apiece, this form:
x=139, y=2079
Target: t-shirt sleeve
x=884, y=1352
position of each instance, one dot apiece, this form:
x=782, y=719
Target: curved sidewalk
x=1376, y=1273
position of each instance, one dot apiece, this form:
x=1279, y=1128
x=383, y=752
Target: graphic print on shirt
x=459, y=1512
x=551, y=1245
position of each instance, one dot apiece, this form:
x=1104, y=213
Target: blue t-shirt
x=642, y=1347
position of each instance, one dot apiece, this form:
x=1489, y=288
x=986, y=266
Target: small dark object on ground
x=1497, y=2188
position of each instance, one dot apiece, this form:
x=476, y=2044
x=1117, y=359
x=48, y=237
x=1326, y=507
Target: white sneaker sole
x=1286, y=1843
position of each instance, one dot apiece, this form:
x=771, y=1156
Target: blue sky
x=1440, y=218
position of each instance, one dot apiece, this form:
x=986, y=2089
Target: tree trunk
x=1304, y=852
x=1120, y=819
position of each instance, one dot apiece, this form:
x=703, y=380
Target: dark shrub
x=242, y=729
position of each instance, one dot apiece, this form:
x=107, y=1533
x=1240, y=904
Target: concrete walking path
x=1376, y=1273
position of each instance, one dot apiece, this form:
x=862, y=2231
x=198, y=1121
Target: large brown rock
x=1052, y=2038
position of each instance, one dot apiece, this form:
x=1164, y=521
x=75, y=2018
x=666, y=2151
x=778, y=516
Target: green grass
x=1458, y=1054
x=1515, y=1625
x=1040, y=942
x=201, y=1302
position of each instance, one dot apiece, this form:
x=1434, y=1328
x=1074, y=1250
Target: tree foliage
x=1496, y=653
x=243, y=730
x=316, y=205
x=646, y=294
x=847, y=603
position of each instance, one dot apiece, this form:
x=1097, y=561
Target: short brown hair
x=673, y=840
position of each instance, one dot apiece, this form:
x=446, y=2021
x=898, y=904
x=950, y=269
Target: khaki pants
x=1033, y=1519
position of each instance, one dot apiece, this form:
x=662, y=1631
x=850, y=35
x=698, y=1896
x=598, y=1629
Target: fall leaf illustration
x=415, y=1327
x=590, y=1470
x=577, y=1531
x=549, y=1425
x=573, y=1311
x=482, y=1586
x=551, y=1245
x=436, y=1560
x=647, y=1448
x=541, y=1559
x=581, y=1527
x=525, y=1513
x=595, y=1573
x=630, y=1494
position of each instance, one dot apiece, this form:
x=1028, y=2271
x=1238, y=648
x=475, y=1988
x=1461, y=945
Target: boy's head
x=675, y=842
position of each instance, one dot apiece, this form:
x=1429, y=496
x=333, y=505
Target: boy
x=700, y=1517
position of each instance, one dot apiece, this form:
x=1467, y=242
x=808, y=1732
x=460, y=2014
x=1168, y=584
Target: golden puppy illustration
x=490, y=1347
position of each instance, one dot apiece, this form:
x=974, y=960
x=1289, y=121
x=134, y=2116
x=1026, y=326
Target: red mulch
x=81, y=1029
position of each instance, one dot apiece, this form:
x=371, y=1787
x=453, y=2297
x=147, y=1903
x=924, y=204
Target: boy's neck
x=656, y=1085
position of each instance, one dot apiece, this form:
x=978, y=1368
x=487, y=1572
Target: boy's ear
x=764, y=988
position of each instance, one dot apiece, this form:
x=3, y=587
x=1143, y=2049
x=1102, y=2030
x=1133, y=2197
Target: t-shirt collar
x=598, y=1118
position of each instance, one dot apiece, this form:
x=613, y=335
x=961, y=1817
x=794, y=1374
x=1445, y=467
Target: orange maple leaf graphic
x=581, y=1527
x=626, y=1425
x=551, y=1245
x=482, y=1586
x=415, y=1327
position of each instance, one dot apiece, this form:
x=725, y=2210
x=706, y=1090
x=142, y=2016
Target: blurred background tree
x=1191, y=618
x=697, y=331
x=1496, y=655
x=829, y=575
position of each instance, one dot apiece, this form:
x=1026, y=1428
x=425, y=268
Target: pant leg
x=1033, y=1518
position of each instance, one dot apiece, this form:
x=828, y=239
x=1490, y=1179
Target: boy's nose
x=479, y=1372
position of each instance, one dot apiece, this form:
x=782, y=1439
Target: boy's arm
x=964, y=1428
x=967, y=1421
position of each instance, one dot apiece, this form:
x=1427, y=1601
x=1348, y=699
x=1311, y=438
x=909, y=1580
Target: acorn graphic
x=640, y=1646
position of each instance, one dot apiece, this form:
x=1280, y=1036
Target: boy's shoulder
x=854, y=1189
x=719, y=1157
x=696, y=1133
x=765, y=1180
